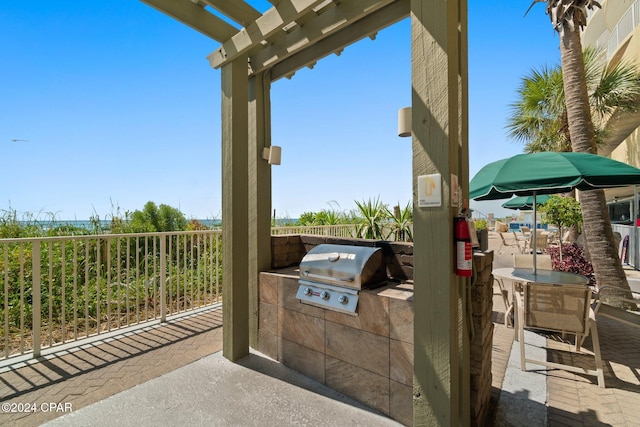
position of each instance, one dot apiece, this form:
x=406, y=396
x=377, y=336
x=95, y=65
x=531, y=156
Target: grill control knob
x=307, y=291
x=343, y=299
x=324, y=295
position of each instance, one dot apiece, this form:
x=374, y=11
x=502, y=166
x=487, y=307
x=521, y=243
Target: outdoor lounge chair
x=560, y=308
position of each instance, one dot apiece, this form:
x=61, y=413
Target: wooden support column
x=259, y=192
x=235, y=197
x=438, y=32
x=462, y=31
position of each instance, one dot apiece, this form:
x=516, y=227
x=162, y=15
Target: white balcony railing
x=59, y=292
x=56, y=290
x=625, y=26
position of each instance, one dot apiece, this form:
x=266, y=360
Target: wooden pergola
x=258, y=48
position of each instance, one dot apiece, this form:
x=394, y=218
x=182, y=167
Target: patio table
x=541, y=276
x=520, y=275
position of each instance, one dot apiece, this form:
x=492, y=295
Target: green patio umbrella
x=549, y=173
x=525, y=203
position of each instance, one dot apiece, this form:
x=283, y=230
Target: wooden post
x=259, y=192
x=463, y=179
x=235, y=196
x=438, y=32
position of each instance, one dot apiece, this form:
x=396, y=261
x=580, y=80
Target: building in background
x=615, y=28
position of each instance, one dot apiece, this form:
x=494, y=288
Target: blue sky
x=120, y=106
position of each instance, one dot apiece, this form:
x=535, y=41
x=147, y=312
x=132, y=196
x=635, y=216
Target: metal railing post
x=36, y=303
x=163, y=278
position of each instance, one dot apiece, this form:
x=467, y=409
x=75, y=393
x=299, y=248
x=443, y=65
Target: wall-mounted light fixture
x=404, y=121
x=273, y=154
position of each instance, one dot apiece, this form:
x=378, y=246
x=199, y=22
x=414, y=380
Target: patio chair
x=560, y=308
x=508, y=306
x=509, y=243
x=542, y=242
x=543, y=262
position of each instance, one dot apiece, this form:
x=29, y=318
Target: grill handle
x=321, y=277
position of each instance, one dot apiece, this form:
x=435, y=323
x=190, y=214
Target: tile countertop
x=401, y=290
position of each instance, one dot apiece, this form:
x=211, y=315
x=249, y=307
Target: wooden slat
x=195, y=17
x=315, y=30
x=269, y=23
x=376, y=21
x=237, y=10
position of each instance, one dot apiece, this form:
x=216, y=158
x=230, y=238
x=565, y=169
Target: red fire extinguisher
x=462, y=240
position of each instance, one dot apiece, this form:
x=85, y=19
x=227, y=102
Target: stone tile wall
x=482, y=343
x=368, y=357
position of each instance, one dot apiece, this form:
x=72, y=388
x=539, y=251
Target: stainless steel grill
x=331, y=276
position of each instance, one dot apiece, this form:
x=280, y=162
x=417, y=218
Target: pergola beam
x=376, y=21
x=344, y=14
x=272, y=21
x=196, y=17
x=238, y=10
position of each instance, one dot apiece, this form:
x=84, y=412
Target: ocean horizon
x=106, y=223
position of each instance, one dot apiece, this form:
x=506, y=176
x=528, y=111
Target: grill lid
x=343, y=265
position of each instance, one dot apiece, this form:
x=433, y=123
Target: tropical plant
x=373, y=220
x=568, y=17
x=539, y=116
x=401, y=222
x=306, y=218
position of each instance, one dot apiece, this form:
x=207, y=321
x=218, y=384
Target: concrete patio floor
x=175, y=375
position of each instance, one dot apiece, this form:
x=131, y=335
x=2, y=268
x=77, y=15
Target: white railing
x=603, y=42
x=632, y=256
x=60, y=291
x=343, y=230
x=56, y=290
x=625, y=26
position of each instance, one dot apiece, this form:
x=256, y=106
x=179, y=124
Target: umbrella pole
x=534, y=234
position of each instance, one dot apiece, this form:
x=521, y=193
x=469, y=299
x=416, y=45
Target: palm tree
x=568, y=17
x=539, y=117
